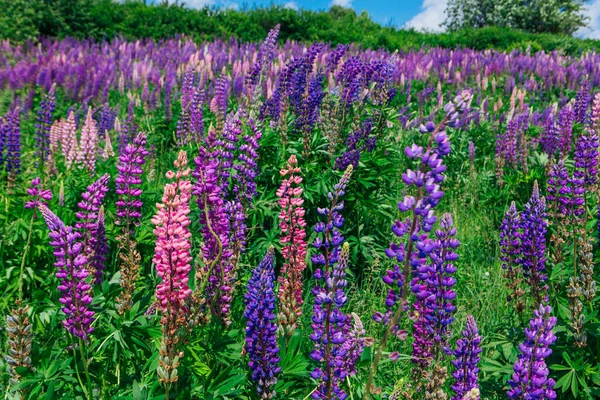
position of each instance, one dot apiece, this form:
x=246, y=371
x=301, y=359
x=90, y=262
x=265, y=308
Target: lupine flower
x=71, y=264
x=355, y=344
x=172, y=261
x=90, y=205
x=595, y=117
x=293, y=242
x=108, y=149
x=172, y=255
x=438, y=278
x=466, y=358
x=215, y=223
x=582, y=102
x=264, y=58
x=68, y=140
x=86, y=156
x=42, y=127
x=13, y=142
x=414, y=229
x=330, y=329
x=37, y=195
x=533, y=261
x=530, y=379
x=261, y=340
x=20, y=335
x=128, y=214
x=129, y=181
x=510, y=249
x=99, y=247
x=357, y=143
x=55, y=135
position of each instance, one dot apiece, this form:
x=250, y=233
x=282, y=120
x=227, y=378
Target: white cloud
x=431, y=16
x=343, y=3
x=593, y=12
x=291, y=5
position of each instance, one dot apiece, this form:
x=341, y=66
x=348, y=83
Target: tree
x=536, y=16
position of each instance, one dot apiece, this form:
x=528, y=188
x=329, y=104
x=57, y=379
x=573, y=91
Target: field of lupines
x=256, y=221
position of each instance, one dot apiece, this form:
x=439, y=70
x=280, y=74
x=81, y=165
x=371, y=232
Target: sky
x=425, y=15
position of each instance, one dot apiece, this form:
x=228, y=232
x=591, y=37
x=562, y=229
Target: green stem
x=25, y=251
x=85, y=368
x=83, y=387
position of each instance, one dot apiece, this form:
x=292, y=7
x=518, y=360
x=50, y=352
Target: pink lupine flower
x=293, y=241
x=86, y=156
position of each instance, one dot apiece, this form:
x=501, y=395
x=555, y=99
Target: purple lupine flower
x=466, y=358
x=559, y=191
x=586, y=159
x=13, y=142
x=334, y=57
x=265, y=56
x=357, y=142
x=355, y=344
x=99, y=247
x=510, y=250
x=197, y=117
x=90, y=205
x=438, y=279
x=550, y=137
x=330, y=297
x=71, y=263
x=530, y=379
x=215, y=228
x=533, y=262
x=566, y=118
x=38, y=195
x=261, y=338
x=128, y=182
x=42, y=127
x=582, y=102
x=330, y=329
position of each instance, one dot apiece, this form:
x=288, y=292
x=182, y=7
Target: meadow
x=220, y=219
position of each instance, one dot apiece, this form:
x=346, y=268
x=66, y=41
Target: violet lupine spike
x=530, y=378
x=261, y=340
x=42, y=127
x=586, y=159
x=90, y=205
x=355, y=344
x=533, y=261
x=293, y=246
x=566, y=118
x=71, y=263
x=99, y=247
x=330, y=328
x=13, y=142
x=510, y=250
x=264, y=58
x=128, y=182
x=38, y=195
x=466, y=359
x=357, y=142
x=438, y=278
x=215, y=230
x=582, y=101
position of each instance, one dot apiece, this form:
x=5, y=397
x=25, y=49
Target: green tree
x=536, y=16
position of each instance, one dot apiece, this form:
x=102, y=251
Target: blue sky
x=424, y=15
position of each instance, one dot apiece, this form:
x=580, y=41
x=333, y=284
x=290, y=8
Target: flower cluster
x=129, y=181
x=466, y=358
x=172, y=261
x=533, y=244
x=71, y=262
x=86, y=156
x=44, y=122
x=261, y=339
x=38, y=196
x=510, y=249
x=530, y=379
x=293, y=241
